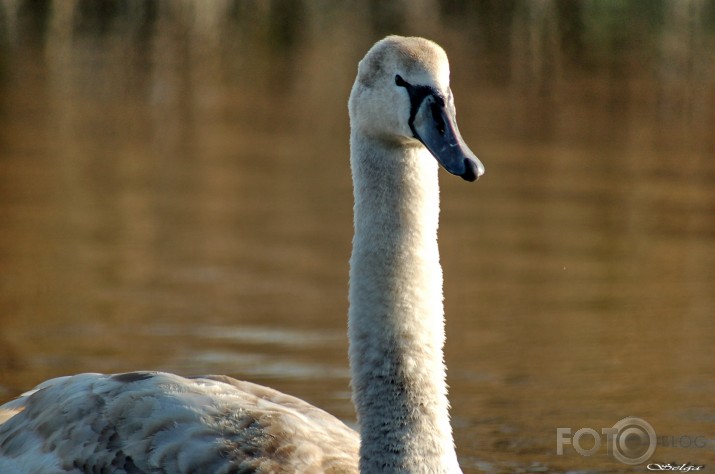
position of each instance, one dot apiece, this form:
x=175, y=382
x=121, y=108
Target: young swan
x=150, y=422
x=402, y=117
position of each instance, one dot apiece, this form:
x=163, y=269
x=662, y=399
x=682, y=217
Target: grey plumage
x=146, y=422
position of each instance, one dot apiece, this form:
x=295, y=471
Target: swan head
x=401, y=96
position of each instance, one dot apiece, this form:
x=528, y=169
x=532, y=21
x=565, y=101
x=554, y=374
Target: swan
x=402, y=117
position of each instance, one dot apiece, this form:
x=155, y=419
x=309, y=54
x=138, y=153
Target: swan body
x=402, y=118
x=151, y=422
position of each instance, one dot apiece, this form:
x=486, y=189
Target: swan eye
x=400, y=82
x=436, y=110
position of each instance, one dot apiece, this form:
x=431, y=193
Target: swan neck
x=396, y=317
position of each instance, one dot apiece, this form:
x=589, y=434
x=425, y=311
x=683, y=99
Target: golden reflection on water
x=175, y=195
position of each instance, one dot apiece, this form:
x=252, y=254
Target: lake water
x=175, y=195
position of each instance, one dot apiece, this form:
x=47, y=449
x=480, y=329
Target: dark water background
x=175, y=194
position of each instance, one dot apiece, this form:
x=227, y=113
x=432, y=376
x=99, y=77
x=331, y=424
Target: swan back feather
x=157, y=422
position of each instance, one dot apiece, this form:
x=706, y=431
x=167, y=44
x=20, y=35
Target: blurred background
x=175, y=194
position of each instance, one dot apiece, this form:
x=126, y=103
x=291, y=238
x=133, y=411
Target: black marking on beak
x=417, y=94
x=432, y=121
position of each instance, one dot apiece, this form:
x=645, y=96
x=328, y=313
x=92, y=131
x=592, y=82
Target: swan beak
x=435, y=125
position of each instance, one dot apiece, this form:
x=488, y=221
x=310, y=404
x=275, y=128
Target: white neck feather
x=396, y=317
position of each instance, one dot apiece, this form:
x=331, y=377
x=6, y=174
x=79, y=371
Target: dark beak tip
x=472, y=170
